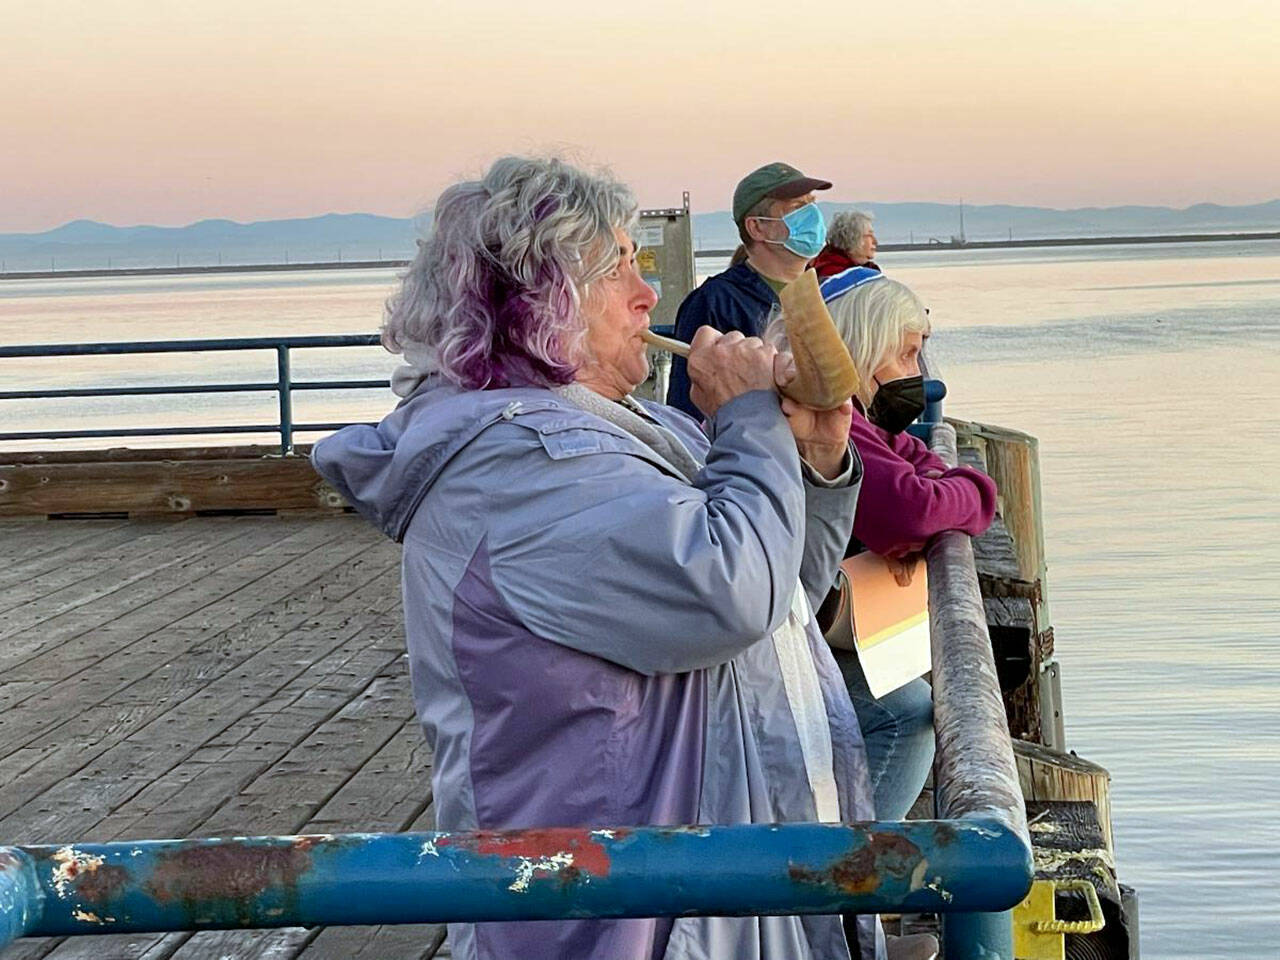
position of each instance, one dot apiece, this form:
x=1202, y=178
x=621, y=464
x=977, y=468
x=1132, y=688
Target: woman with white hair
x=607, y=610
x=908, y=495
x=851, y=242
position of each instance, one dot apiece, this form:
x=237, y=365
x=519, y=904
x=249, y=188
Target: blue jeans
x=898, y=731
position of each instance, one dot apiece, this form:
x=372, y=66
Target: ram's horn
x=825, y=375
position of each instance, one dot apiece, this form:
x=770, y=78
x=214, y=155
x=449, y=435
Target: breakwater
x=932, y=245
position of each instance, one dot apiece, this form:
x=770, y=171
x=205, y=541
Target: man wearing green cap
x=782, y=230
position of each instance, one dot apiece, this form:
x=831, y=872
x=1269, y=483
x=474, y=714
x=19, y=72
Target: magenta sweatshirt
x=899, y=509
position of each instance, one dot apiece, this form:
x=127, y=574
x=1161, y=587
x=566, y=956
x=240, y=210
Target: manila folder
x=890, y=622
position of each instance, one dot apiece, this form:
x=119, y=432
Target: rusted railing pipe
x=975, y=776
x=749, y=869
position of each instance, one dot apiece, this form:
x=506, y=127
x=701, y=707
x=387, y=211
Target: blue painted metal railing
x=517, y=875
x=283, y=386
x=971, y=865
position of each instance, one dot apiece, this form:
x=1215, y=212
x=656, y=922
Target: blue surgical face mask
x=806, y=231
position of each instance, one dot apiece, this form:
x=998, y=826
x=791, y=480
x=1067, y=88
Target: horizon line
x=853, y=203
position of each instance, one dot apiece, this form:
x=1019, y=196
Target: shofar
x=825, y=376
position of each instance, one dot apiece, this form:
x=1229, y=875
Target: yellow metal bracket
x=1037, y=932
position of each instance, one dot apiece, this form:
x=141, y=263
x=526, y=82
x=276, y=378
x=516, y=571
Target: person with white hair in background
x=851, y=242
x=908, y=496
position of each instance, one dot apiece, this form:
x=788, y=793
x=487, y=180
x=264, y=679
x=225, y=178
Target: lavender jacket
x=593, y=640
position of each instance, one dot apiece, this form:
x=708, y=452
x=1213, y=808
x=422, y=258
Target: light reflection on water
x=1151, y=377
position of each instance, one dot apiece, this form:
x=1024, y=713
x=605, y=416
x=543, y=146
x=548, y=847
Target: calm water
x=1151, y=376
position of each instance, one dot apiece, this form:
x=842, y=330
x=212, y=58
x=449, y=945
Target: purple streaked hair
x=495, y=293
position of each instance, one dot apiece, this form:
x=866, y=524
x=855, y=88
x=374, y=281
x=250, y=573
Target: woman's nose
x=646, y=296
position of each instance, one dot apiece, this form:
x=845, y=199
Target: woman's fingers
x=784, y=369
x=722, y=366
x=903, y=568
x=704, y=337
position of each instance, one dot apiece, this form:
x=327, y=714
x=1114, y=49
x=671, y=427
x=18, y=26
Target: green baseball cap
x=779, y=181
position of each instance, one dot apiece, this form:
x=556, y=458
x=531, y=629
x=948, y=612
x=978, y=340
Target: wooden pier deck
x=207, y=677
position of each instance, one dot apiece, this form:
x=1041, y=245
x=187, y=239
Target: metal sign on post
x=664, y=245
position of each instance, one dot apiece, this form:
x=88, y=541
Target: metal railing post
x=975, y=776
x=21, y=896
x=935, y=391
x=284, y=386
x=978, y=936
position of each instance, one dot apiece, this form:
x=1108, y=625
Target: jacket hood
x=384, y=471
x=831, y=260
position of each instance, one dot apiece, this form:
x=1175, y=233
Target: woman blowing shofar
x=607, y=610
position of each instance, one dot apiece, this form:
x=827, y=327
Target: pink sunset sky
x=169, y=112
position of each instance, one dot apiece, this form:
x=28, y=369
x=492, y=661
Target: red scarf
x=831, y=261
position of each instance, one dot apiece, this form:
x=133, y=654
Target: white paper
x=892, y=663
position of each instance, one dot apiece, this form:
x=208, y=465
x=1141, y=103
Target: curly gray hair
x=494, y=297
x=847, y=229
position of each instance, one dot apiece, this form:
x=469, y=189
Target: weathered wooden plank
x=15, y=691
x=333, y=700
x=33, y=949
x=214, y=585
x=1011, y=613
x=26, y=554
x=31, y=538
x=125, y=946
x=279, y=944
x=163, y=486
x=246, y=451
x=1025, y=778
x=78, y=582
x=407, y=942
x=15, y=765
x=40, y=714
x=1013, y=462
x=284, y=798
x=151, y=601
x=289, y=793
x=115, y=540
x=391, y=792
x=166, y=724
x=178, y=801
x=92, y=666
x=1048, y=775
x=388, y=792
x=994, y=554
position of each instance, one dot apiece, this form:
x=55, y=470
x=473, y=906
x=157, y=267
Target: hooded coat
x=909, y=494
x=737, y=299
x=596, y=641
x=833, y=260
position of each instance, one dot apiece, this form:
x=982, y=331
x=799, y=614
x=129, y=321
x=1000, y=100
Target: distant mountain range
x=86, y=244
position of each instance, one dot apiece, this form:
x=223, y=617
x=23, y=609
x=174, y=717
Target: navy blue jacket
x=738, y=299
